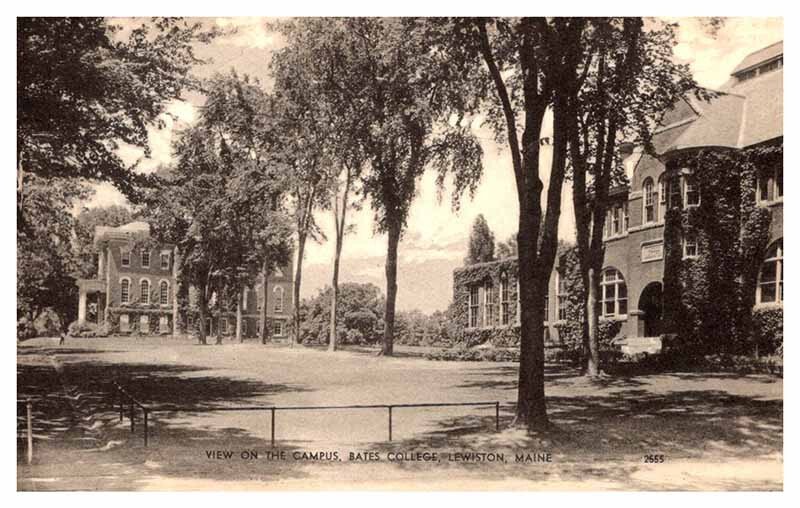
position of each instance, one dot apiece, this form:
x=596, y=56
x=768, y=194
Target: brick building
x=746, y=113
x=135, y=290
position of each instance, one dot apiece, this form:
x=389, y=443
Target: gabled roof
x=756, y=58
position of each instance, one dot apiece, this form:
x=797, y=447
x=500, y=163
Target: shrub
x=88, y=330
x=768, y=331
x=25, y=329
x=487, y=354
x=353, y=336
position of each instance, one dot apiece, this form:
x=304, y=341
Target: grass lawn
x=715, y=431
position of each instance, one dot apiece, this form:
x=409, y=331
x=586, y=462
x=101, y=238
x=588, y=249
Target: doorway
x=651, y=305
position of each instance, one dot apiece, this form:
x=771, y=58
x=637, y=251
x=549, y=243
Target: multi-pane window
x=692, y=194
x=562, y=292
x=662, y=198
x=770, y=281
x=690, y=248
x=163, y=293
x=126, y=257
x=278, y=299
x=474, y=303
x=145, y=291
x=223, y=325
x=616, y=220
x=125, y=291
x=649, y=201
x=144, y=323
x=674, y=192
x=546, y=308
x=277, y=328
x=489, y=304
x=626, y=218
x=505, y=303
x=145, y=258
x=165, y=260
x=614, y=293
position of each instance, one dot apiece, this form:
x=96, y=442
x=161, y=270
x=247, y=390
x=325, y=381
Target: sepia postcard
x=399, y=253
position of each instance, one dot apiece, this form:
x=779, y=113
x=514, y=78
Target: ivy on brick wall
x=571, y=330
x=708, y=299
x=479, y=274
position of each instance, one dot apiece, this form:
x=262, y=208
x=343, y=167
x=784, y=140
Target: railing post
x=390, y=423
x=145, y=428
x=29, y=407
x=132, y=417
x=119, y=392
x=272, y=428
x=497, y=416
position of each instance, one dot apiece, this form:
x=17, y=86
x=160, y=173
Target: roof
x=758, y=57
x=744, y=113
x=124, y=232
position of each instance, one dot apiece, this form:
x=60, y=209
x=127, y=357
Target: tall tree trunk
x=298, y=276
x=176, y=260
x=202, y=308
x=391, y=287
x=592, y=322
x=264, y=293
x=239, y=317
x=531, y=405
x=219, y=326
x=340, y=218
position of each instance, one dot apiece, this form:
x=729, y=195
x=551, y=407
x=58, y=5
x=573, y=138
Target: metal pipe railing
x=132, y=402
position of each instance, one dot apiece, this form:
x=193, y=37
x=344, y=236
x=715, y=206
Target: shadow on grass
x=75, y=416
x=613, y=432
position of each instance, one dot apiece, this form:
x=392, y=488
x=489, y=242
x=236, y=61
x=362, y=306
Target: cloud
x=248, y=32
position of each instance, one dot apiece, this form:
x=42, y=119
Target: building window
x=144, y=323
x=165, y=260
x=692, y=195
x=223, y=325
x=126, y=257
x=125, y=291
x=779, y=182
x=690, y=247
x=145, y=291
x=770, y=280
x=163, y=324
x=546, y=308
x=562, y=292
x=614, y=293
x=124, y=323
x=616, y=220
x=662, y=198
x=489, y=296
x=674, y=192
x=145, y=258
x=626, y=218
x=505, y=304
x=277, y=328
x=244, y=298
x=546, y=334
x=473, y=306
x=278, y=299
x=163, y=292
x=649, y=202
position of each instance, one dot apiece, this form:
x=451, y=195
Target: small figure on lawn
x=62, y=338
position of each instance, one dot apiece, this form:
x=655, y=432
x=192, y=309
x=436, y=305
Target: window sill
x=621, y=317
x=686, y=258
x=768, y=305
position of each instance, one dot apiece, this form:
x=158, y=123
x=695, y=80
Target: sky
x=435, y=242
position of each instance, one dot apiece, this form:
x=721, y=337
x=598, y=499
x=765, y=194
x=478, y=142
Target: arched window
x=145, y=291
x=649, y=200
x=163, y=292
x=770, y=280
x=278, y=299
x=125, y=291
x=614, y=293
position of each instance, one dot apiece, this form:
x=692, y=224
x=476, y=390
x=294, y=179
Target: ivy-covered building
x=134, y=291
x=694, y=242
